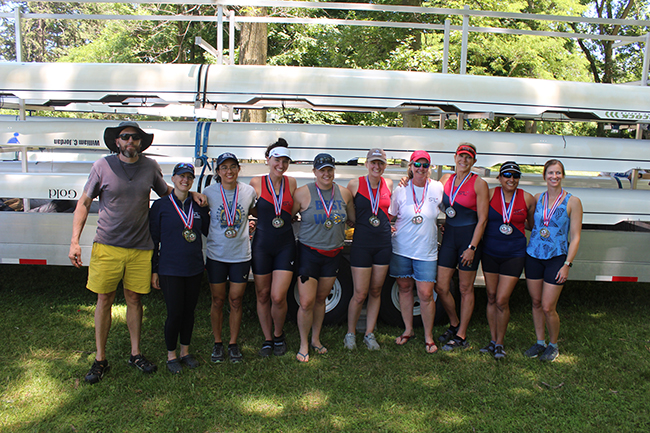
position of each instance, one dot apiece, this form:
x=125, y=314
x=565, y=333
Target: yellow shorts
x=109, y=265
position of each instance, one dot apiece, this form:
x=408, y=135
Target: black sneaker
x=97, y=371
x=455, y=343
x=267, y=349
x=190, y=361
x=234, y=353
x=279, y=345
x=487, y=349
x=217, y=353
x=142, y=364
x=535, y=350
x=448, y=334
x=499, y=353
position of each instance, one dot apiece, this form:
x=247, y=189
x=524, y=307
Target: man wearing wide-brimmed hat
x=122, y=247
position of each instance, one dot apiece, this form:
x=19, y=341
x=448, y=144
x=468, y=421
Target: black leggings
x=181, y=296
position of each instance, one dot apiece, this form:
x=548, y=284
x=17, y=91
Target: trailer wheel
x=390, y=311
x=336, y=304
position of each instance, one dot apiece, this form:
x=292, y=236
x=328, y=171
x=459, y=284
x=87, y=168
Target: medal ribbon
x=326, y=208
x=418, y=206
x=452, y=196
x=507, y=213
x=374, y=200
x=188, y=219
x=549, y=214
x=230, y=212
x=277, y=201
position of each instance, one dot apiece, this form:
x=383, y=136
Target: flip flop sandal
x=404, y=339
x=429, y=346
x=301, y=357
x=321, y=350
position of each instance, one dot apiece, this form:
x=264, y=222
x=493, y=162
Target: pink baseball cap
x=419, y=154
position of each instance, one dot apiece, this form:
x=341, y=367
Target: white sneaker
x=371, y=342
x=350, y=341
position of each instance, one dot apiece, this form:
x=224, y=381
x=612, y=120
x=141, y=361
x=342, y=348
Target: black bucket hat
x=110, y=134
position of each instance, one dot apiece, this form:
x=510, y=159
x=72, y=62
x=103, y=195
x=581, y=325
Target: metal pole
x=231, y=49
x=646, y=61
x=21, y=102
x=463, y=53
x=19, y=41
x=219, y=51
x=445, y=50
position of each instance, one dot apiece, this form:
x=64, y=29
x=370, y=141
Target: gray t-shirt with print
x=124, y=190
x=219, y=247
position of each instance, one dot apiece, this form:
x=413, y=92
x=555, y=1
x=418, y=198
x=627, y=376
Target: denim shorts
x=419, y=270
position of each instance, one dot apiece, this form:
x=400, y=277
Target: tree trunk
x=252, y=51
x=413, y=120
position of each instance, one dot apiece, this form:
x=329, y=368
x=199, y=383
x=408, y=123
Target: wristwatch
x=569, y=264
x=472, y=247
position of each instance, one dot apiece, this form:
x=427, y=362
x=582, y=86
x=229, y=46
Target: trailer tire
x=390, y=312
x=336, y=305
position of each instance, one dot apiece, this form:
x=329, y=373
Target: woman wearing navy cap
x=504, y=250
x=228, y=250
x=324, y=207
x=274, y=246
x=176, y=225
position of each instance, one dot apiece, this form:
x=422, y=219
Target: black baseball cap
x=323, y=160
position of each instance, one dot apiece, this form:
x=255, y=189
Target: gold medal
x=189, y=235
x=374, y=221
x=544, y=232
x=230, y=232
x=328, y=224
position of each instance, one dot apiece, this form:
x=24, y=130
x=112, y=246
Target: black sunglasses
x=509, y=174
x=421, y=164
x=126, y=137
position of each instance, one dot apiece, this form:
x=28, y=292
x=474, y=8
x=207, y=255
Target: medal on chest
x=450, y=211
x=548, y=214
x=276, y=222
x=374, y=203
x=506, y=212
x=417, y=206
x=327, y=208
x=188, y=220
x=230, y=211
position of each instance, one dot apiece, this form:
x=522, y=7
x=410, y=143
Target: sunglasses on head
x=126, y=137
x=509, y=174
x=421, y=164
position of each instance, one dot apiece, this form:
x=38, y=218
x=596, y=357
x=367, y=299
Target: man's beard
x=129, y=151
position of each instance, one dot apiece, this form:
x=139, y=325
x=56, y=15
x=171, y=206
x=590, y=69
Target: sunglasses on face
x=126, y=137
x=509, y=174
x=421, y=164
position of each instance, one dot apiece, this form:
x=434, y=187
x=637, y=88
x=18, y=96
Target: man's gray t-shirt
x=123, y=190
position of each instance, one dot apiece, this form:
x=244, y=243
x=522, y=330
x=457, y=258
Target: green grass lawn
x=599, y=383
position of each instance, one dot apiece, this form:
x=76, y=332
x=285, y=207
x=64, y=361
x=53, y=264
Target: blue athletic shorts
x=419, y=270
x=536, y=269
x=220, y=272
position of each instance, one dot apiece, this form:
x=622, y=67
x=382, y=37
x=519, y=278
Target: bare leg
x=427, y=308
x=263, y=292
x=279, y=287
x=550, y=296
x=406, y=301
x=235, y=297
x=103, y=322
x=444, y=295
x=134, y=319
x=491, y=283
x=216, y=309
x=325, y=285
x=466, y=287
x=307, y=291
x=361, y=279
x=535, y=290
x=504, y=290
x=374, y=299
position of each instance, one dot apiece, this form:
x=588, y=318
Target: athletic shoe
x=535, y=350
x=217, y=353
x=350, y=341
x=97, y=371
x=448, y=334
x=190, y=361
x=489, y=348
x=455, y=343
x=142, y=364
x=174, y=366
x=234, y=353
x=499, y=353
x=371, y=342
x=279, y=345
x=266, y=350
x=550, y=354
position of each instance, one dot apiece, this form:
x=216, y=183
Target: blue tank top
x=558, y=241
